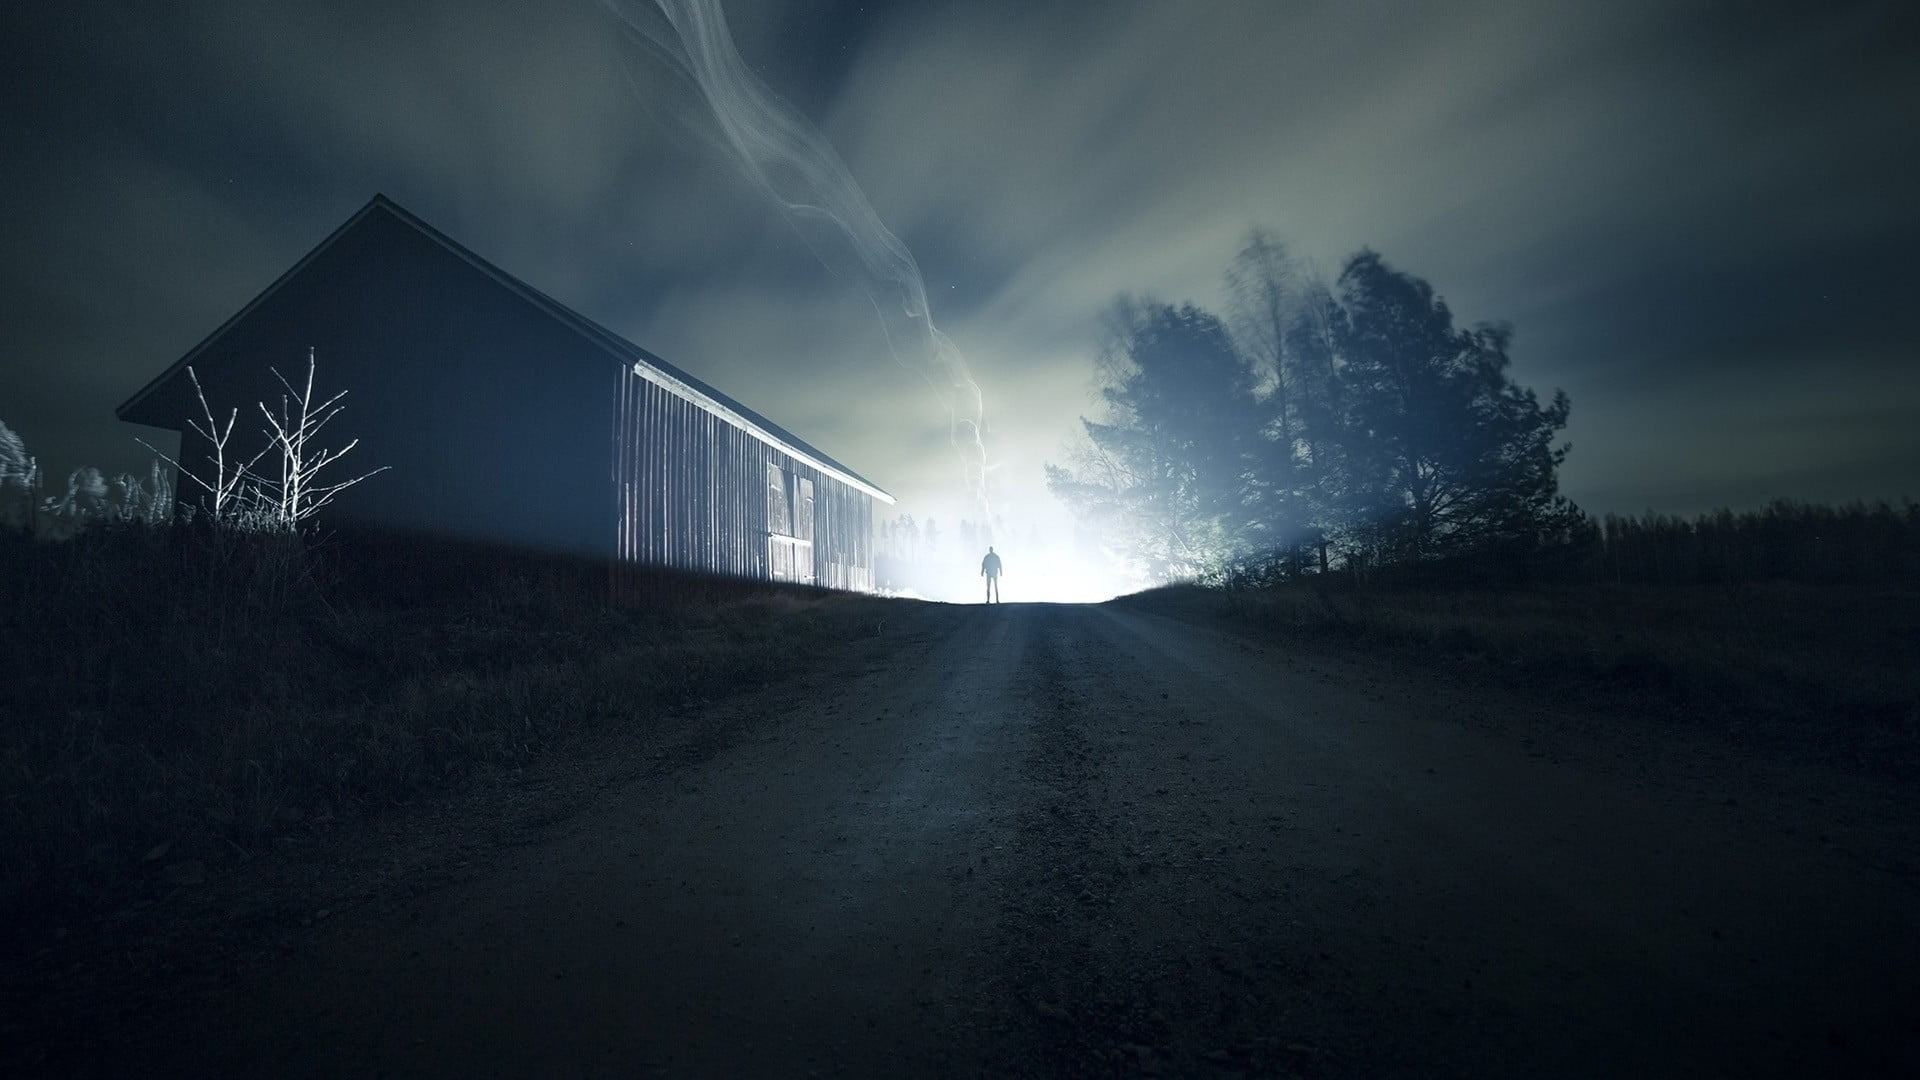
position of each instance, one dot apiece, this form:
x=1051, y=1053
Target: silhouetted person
x=990, y=569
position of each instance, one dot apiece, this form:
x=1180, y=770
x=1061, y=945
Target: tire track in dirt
x=1039, y=841
x=1117, y=957
x=1061, y=1013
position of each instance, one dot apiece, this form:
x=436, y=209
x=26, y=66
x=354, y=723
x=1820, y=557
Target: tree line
x=907, y=540
x=1875, y=543
x=1314, y=426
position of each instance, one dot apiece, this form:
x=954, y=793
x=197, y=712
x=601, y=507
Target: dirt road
x=1031, y=840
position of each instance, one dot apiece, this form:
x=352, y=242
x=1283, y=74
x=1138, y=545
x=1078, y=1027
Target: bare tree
x=233, y=487
x=301, y=492
x=1263, y=286
x=243, y=498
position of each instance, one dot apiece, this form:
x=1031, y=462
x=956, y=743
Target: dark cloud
x=1698, y=215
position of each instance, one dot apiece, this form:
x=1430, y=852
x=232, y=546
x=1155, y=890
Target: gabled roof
x=643, y=363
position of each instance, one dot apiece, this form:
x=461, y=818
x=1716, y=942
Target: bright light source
x=1035, y=577
x=1058, y=578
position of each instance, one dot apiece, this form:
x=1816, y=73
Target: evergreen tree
x=1165, y=472
x=1356, y=418
x=1440, y=450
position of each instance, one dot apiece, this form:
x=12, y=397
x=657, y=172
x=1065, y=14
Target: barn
x=507, y=417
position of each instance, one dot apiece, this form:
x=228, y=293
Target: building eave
x=627, y=354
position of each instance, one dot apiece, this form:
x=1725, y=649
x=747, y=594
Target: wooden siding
x=492, y=403
x=695, y=492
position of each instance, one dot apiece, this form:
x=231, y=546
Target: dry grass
x=179, y=689
x=1834, y=664
x=1858, y=544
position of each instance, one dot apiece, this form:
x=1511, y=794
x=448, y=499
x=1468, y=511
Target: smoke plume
x=800, y=170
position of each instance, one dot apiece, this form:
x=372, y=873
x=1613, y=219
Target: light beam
x=798, y=168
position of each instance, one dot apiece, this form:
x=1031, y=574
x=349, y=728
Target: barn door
x=779, y=510
x=803, y=531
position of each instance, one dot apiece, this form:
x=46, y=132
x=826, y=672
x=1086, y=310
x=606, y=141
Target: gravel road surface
x=1078, y=840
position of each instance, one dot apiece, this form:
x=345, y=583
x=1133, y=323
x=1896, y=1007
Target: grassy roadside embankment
x=172, y=699
x=1824, y=668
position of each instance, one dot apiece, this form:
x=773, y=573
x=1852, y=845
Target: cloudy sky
x=1700, y=217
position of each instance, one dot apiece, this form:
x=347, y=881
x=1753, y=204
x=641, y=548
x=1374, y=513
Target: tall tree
x=1443, y=451
x=1262, y=288
x=1165, y=472
x=1314, y=331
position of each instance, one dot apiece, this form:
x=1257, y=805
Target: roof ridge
x=666, y=375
